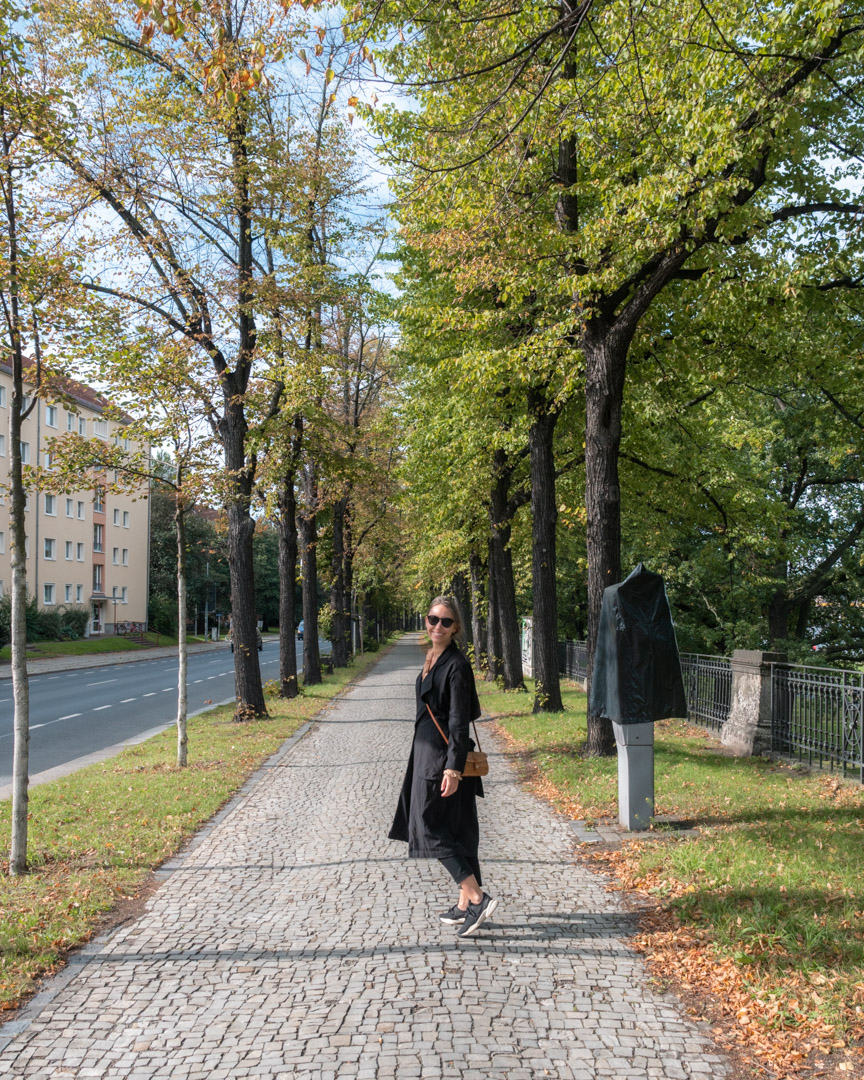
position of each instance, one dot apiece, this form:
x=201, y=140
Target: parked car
x=300, y=630
x=258, y=638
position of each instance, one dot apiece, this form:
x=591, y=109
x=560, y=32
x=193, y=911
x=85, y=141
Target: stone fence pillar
x=747, y=732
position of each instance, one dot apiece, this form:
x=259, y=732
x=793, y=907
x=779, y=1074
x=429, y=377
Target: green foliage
x=162, y=614
x=44, y=624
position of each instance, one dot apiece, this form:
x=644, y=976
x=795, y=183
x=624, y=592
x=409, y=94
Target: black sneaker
x=477, y=914
x=454, y=917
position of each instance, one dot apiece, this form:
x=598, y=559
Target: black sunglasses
x=433, y=620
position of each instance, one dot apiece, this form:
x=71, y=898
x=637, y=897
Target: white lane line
x=99, y=708
x=102, y=682
x=126, y=700
x=51, y=678
x=69, y=716
x=209, y=677
x=168, y=689
x=151, y=694
x=199, y=680
x=33, y=727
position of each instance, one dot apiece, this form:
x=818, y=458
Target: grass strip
x=49, y=650
x=763, y=910
x=96, y=835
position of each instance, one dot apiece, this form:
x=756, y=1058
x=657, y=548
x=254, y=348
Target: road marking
x=102, y=682
x=209, y=677
x=52, y=677
x=69, y=716
x=99, y=708
x=126, y=700
x=151, y=694
x=168, y=689
x=199, y=680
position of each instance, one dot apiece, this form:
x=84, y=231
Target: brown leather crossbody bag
x=476, y=764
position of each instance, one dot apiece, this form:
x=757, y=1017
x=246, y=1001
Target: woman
x=437, y=811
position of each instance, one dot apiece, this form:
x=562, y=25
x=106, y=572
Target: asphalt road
x=73, y=713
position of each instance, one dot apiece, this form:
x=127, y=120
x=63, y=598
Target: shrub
x=163, y=615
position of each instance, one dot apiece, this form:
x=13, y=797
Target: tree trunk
x=462, y=593
x=337, y=586
x=606, y=363
x=494, y=665
x=17, y=498
x=348, y=585
x=182, y=653
x=233, y=429
x=309, y=536
x=478, y=628
x=501, y=570
x=544, y=518
x=288, y=687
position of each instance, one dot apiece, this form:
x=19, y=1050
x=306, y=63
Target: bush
x=163, y=615
x=371, y=645
x=60, y=624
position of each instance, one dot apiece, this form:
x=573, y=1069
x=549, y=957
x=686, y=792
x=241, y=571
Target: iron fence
x=708, y=685
x=573, y=659
x=818, y=713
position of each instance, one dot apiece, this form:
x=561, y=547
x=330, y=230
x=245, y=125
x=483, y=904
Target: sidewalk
x=293, y=940
x=94, y=660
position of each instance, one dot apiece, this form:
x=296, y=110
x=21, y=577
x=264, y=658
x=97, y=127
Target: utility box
x=636, y=680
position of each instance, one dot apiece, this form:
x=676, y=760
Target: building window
x=116, y=517
x=79, y=593
x=82, y=426
x=25, y=453
x=2, y=593
x=98, y=537
x=51, y=505
x=25, y=403
x=27, y=547
x=2, y=397
x=125, y=519
x=51, y=415
x=96, y=623
x=48, y=460
x=67, y=594
x=47, y=594
x=2, y=543
x=100, y=429
x=125, y=556
x=123, y=594
x=70, y=508
x=2, y=446
x=99, y=500
x=69, y=550
x=80, y=510
x=70, y=421
x=79, y=554
x=50, y=548
x=115, y=556
x=26, y=502
x=97, y=578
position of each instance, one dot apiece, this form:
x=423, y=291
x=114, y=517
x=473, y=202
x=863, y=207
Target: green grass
x=49, y=650
x=95, y=835
x=774, y=878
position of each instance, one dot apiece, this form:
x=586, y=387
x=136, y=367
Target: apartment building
x=88, y=549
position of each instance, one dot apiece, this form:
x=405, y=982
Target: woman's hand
x=449, y=784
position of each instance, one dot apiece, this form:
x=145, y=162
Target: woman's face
x=441, y=635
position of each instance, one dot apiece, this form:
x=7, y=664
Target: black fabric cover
x=637, y=672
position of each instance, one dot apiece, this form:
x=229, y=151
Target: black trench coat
x=432, y=826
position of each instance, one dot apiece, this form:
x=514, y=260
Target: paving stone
x=292, y=936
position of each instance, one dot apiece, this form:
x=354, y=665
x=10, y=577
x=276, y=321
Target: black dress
x=432, y=826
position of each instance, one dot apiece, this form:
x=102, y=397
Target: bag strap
x=444, y=737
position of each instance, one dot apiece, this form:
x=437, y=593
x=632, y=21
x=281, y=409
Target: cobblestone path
x=294, y=940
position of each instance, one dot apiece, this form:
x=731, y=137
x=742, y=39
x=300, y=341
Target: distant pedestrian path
x=294, y=940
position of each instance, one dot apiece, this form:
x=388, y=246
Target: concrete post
x=747, y=732
x=635, y=775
